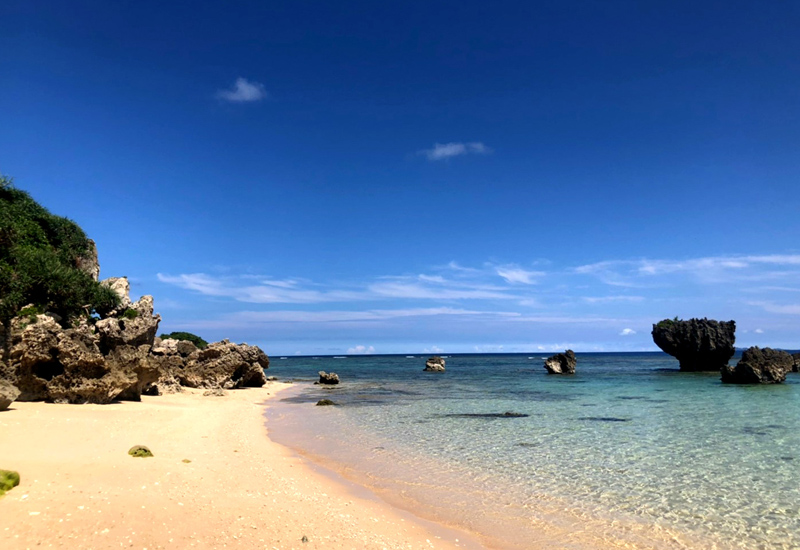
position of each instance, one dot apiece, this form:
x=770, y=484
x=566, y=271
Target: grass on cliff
x=40, y=254
x=188, y=336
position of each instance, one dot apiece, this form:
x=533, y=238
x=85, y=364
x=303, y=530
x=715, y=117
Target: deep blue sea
x=627, y=453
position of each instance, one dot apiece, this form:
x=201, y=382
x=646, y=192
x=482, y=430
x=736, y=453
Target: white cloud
x=711, y=269
x=759, y=331
x=514, y=274
x=609, y=299
x=361, y=350
x=433, y=349
x=627, y=332
x=442, y=151
x=243, y=91
x=789, y=309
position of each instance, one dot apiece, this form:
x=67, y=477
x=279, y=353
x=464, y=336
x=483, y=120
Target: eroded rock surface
x=8, y=394
x=434, y=364
x=698, y=344
x=328, y=378
x=759, y=366
x=561, y=363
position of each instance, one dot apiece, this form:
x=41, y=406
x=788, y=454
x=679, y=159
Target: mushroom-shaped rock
x=561, y=363
x=329, y=378
x=8, y=394
x=759, y=366
x=698, y=344
x=434, y=364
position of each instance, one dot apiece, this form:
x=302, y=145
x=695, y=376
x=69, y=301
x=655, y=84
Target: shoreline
x=80, y=489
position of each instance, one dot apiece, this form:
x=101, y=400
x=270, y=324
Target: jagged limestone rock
x=698, y=344
x=759, y=366
x=434, y=364
x=561, y=363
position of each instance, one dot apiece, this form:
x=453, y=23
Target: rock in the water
x=140, y=451
x=759, y=366
x=698, y=344
x=325, y=403
x=434, y=364
x=561, y=363
x=328, y=378
x=796, y=365
x=8, y=394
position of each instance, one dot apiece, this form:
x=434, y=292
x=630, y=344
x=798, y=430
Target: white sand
x=80, y=488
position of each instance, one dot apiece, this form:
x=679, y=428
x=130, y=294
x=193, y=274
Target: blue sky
x=333, y=177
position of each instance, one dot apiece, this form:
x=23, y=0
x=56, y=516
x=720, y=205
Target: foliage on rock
x=186, y=336
x=41, y=255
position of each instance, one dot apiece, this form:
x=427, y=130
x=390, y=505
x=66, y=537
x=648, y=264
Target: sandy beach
x=215, y=481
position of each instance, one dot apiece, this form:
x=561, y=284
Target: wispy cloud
x=243, y=91
x=361, y=350
x=627, y=332
x=443, y=151
x=771, y=307
x=610, y=299
x=712, y=269
x=514, y=274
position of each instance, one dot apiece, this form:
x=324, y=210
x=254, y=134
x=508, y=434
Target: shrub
x=39, y=258
x=130, y=314
x=188, y=336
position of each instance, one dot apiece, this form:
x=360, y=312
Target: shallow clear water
x=628, y=452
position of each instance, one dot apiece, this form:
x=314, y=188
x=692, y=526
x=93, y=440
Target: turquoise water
x=627, y=453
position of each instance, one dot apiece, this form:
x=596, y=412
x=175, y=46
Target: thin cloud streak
x=444, y=151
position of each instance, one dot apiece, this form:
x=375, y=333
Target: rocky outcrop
x=698, y=344
x=8, y=394
x=796, y=360
x=561, y=363
x=220, y=365
x=137, y=326
x=122, y=288
x=89, y=263
x=328, y=378
x=759, y=366
x=434, y=364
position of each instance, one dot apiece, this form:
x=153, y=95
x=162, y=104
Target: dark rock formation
x=8, y=394
x=561, y=363
x=759, y=366
x=796, y=365
x=328, y=378
x=698, y=344
x=434, y=364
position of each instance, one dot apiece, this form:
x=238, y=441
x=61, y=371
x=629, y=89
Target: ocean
x=627, y=453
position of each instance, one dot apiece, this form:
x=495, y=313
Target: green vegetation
x=39, y=258
x=666, y=323
x=130, y=314
x=8, y=480
x=140, y=451
x=188, y=336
